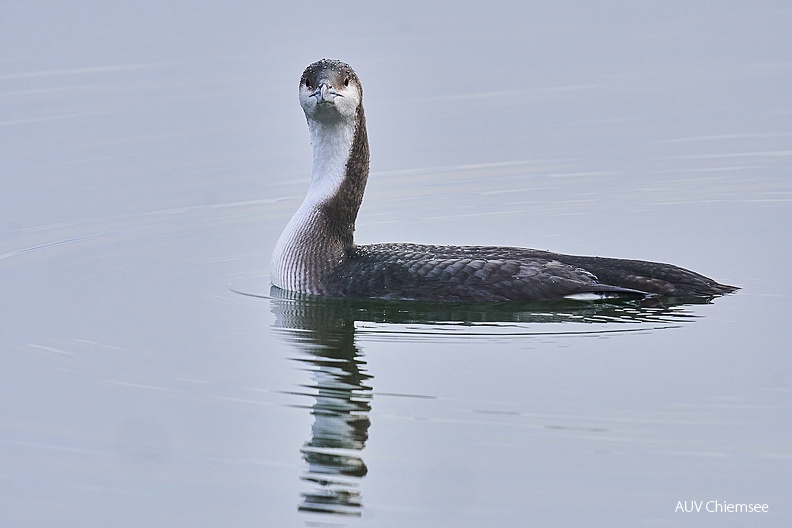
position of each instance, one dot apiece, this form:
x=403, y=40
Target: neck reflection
x=342, y=402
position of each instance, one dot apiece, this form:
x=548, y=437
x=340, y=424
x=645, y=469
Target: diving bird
x=316, y=253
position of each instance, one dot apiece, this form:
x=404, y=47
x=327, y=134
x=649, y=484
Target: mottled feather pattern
x=488, y=273
x=464, y=273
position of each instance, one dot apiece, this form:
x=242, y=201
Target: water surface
x=152, y=154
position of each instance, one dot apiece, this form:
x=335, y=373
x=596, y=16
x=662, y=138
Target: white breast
x=290, y=266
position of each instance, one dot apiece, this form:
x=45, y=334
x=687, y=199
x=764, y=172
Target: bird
x=316, y=253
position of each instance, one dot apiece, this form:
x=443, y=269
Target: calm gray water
x=151, y=154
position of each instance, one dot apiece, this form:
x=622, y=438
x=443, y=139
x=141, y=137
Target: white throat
x=332, y=143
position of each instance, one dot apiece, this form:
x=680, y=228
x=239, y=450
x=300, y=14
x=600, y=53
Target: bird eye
x=346, y=81
x=307, y=83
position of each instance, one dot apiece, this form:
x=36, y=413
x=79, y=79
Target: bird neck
x=321, y=232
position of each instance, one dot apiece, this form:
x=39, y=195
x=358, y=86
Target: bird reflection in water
x=323, y=331
x=341, y=408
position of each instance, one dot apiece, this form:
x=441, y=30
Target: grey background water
x=152, y=152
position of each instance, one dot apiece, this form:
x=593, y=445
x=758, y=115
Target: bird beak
x=325, y=93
